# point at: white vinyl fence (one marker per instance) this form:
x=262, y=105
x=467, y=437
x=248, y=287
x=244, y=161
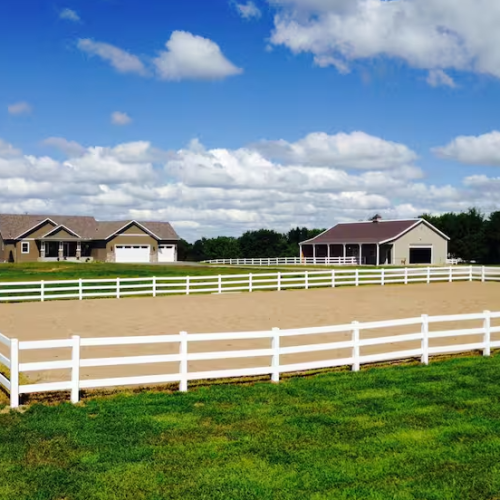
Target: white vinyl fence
x=274, y=352
x=288, y=261
x=231, y=283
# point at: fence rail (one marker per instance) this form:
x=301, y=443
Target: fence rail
x=355, y=343
x=289, y=261
x=283, y=280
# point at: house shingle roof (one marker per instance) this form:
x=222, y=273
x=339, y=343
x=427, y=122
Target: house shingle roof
x=364, y=232
x=163, y=230
x=14, y=225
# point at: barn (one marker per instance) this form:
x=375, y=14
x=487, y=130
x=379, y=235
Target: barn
x=381, y=242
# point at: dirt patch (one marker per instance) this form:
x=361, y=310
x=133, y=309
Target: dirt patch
x=232, y=313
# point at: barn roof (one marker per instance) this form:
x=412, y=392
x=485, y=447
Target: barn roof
x=377, y=231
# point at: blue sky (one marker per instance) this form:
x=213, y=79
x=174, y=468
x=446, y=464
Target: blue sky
x=271, y=113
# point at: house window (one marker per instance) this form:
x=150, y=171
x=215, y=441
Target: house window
x=25, y=247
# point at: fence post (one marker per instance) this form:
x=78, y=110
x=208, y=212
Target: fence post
x=75, y=369
x=219, y=287
x=382, y=276
x=117, y=288
x=450, y=278
x=306, y=278
x=279, y=281
x=333, y=278
x=250, y=282
x=187, y=285
x=355, y=346
x=14, y=373
x=425, y=339
x=428, y=275
x=183, y=365
x=153, y=285
x=357, y=277
x=406, y=275
x=470, y=273
x=487, y=333
x=483, y=274
x=42, y=291
x=80, y=289
x=275, y=362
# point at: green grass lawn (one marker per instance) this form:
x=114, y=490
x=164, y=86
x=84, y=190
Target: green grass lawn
x=408, y=432
x=36, y=271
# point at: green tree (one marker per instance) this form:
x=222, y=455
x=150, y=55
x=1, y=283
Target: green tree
x=263, y=243
x=492, y=236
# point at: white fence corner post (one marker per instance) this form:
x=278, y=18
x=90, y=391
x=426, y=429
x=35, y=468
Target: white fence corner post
x=75, y=369
x=450, y=277
x=117, y=288
x=279, y=281
x=250, y=282
x=357, y=277
x=14, y=373
x=42, y=291
x=487, y=333
x=187, y=285
x=483, y=274
x=306, y=278
x=382, y=276
x=80, y=289
x=428, y=275
x=183, y=365
x=333, y=278
x=275, y=363
x=355, y=346
x=406, y=275
x=425, y=339
x=470, y=273
x=219, y=284
x=154, y=286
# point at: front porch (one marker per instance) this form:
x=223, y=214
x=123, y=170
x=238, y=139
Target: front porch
x=70, y=250
x=371, y=254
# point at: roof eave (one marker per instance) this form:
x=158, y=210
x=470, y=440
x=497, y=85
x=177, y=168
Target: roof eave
x=48, y=219
x=130, y=223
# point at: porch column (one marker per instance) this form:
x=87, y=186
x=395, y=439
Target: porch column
x=378, y=255
x=61, y=250
x=328, y=253
x=314, y=253
x=78, y=249
x=343, y=253
x=42, y=249
x=360, y=261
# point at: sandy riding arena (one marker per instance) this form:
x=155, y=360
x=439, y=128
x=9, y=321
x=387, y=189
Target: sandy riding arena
x=232, y=313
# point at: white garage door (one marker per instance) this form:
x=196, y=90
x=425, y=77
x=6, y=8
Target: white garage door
x=166, y=253
x=132, y=253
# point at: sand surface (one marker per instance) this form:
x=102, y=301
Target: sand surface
x=237, y=312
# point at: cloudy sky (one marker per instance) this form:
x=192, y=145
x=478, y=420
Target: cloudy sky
x=226, y=115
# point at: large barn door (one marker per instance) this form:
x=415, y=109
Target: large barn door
x=421, y=255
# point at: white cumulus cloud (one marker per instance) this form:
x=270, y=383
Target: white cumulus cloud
x=248, y=10
x=438, y=78
x=207, y=192
x=70, y=148
x=19, y=108
x=190, y=56
x=119, y=118
x=120, y=59
x=433, y=35
x=69, y=15
x=473, y=150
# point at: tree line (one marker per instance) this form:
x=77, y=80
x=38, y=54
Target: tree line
x=473, y=237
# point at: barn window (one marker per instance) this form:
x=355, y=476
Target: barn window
x=25, y=247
